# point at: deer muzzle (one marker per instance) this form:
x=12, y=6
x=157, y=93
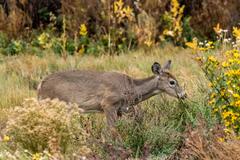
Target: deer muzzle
x=182, y=95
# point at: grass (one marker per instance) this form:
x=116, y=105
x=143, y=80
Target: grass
x=159, y=130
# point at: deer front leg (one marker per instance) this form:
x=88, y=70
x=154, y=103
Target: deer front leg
x=111, y=116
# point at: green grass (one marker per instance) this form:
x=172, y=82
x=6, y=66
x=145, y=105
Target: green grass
x=164, y=118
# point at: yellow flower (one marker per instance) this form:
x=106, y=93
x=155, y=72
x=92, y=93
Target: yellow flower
x=236, y=55
x=199, y=59
x=36, y=156
x=167, y=32
x=203, y=49
x=117, y=5
x=236, y=32
x=225, y=64
x=175, y=14
x=213, y=95
x=221, y=139
x=148, y=42
x=193, y=44
x=174, y=7
x=235, y=95
x=212, y=59
x=83, y=30
x=237, y=103
x=217, y=29
x=81, y=50
x=233, y=72
x=227, y=130
x=211, y=102
x=210, y=84
x=222, y=92
x=43, y=40
x=128, y=12
x=215, y=110
x=227, y=123
x=6, y=138
x=210, y=43
x=226, y=114
x=234, y=117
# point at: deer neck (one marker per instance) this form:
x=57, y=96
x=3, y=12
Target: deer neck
x=145, y=88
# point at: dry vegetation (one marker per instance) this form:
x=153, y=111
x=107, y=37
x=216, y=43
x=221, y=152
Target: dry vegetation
x=207, y=144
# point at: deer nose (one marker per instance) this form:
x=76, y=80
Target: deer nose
x=182, y=95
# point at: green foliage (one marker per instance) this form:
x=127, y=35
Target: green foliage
x=57, y=46
x=188, y=32
x=157, y=128
x=15, y=47
x=12, y=47
x=44, y=13
x=70, y=47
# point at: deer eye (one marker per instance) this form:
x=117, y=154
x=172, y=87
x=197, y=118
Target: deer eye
x=172, y=82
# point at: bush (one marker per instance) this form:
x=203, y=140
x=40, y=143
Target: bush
x=224, y=78
x=46, y=125
x=222, y=70
x=15, y=47
x=172, y=22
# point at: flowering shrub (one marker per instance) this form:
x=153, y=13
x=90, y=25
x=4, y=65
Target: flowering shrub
x=223, y=72
x=173, y=22
x=46, y=125
x=224, y=75
x=119, y=36
x=121, y=12
x=44, y=40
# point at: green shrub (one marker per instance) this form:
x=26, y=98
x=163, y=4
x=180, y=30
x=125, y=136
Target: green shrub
x=188, y=32
x=15, y=47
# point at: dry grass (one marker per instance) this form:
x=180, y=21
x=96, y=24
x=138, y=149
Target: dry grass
x=205, y=144
x=15, y=21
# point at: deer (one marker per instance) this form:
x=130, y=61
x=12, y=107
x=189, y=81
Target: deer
x=112, y=93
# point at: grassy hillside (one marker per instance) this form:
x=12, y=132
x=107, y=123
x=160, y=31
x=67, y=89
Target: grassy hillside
x=163, y=119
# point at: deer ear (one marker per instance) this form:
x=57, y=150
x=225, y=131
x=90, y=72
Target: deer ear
x=156, y=68
x=167, y=66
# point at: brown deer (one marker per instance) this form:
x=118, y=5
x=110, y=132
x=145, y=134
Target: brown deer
x=108, y=92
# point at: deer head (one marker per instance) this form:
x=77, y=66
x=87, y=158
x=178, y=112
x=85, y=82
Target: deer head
x=166, y=81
